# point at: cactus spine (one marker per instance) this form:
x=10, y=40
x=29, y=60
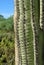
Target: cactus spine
x=27, y=33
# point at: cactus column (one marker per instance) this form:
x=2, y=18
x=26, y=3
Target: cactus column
x=24, y=32
x=28, y=41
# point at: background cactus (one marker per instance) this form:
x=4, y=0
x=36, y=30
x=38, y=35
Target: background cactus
x=41, y=14
x=28, y=35
x=41, y=36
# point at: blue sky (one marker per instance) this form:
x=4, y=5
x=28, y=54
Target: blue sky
x=6, y=8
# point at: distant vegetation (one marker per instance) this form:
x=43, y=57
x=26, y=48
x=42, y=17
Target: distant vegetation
x=6, y=24
x=7, y=54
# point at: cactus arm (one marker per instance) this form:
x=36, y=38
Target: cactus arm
x=41, y=36
x=41, y=14
x=40, y=32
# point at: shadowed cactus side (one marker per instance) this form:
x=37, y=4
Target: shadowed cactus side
x=28, y=36
x=34, y=22
x=41, y=37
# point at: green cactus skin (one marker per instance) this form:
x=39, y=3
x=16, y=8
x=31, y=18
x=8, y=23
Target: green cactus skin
x=40, y=31
x=41, y=36
x=34, y=20
x=28, y=34
x=23, y=28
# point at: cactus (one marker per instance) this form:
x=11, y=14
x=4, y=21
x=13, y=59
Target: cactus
x=41, y=36
x=28, y=33
x=42, y=14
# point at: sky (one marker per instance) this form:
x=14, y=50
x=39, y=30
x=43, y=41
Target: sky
x=6, y=8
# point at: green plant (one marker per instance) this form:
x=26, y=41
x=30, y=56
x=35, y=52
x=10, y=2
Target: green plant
x=7, y=53
x=28, y=32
